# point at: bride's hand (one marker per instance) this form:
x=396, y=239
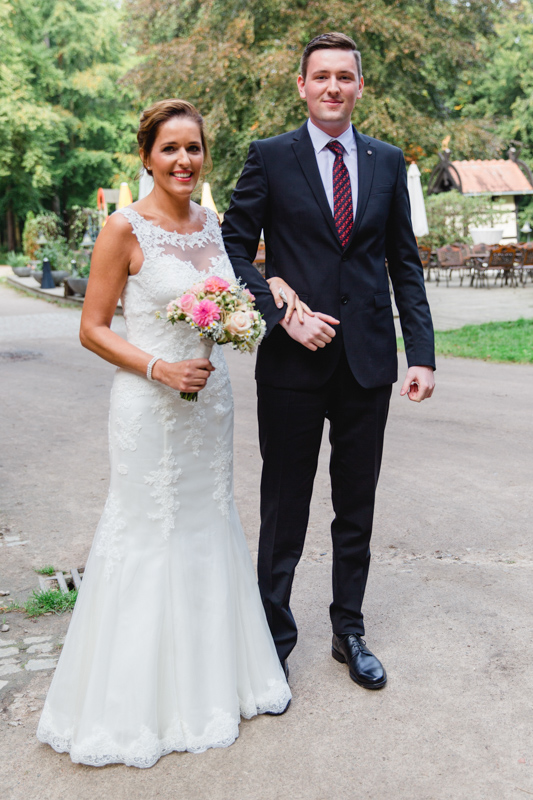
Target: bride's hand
x=282, y=292
x=185, y=376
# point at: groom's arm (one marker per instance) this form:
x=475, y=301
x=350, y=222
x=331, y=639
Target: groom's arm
x=407, y=277
x=241, y=229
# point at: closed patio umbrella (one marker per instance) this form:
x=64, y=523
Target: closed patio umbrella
x=416, y=196
x=124, y=197
x=207, y=198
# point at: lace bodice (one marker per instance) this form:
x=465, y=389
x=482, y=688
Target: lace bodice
x=173, y=262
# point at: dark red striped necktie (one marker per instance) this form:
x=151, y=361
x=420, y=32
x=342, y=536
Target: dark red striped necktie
x=342, y=193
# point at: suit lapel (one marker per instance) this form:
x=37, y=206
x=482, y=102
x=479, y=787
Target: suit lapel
x=366, y=160
x=305, y=153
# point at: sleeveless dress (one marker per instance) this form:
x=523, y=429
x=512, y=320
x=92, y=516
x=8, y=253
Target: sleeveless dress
x=168, y=645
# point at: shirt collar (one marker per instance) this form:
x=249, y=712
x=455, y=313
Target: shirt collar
x=319, y=139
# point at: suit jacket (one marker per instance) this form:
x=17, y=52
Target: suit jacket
x=281, y=192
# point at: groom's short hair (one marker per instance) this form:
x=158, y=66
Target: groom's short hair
x=330, y=41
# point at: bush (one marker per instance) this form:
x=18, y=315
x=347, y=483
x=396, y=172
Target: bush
x=83, y=262
x=48, y=224
x=450, y=216
x=16, y=259
x=57, y=252
x=81, y=219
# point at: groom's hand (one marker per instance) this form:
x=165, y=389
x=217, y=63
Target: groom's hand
x=314, y=332
x=418, y=384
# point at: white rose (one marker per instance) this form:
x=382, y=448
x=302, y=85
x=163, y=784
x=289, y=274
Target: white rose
x=238, y=323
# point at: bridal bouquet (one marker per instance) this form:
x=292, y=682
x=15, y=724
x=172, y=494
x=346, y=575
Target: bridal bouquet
x=222, y=313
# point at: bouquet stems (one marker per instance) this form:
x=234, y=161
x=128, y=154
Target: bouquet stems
x=202, y=350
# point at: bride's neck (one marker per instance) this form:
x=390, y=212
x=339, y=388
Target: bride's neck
x=174, y=209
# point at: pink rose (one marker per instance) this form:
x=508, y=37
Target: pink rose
x=238, y=323
x=187, y=302
x=205, y=312
x=197, y=288
x=249, y=295
x=215, y=284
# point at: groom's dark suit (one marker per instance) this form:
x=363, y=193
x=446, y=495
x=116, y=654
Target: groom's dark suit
x=348, y=381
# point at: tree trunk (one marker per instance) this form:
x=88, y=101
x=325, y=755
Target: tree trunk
x=10, y=224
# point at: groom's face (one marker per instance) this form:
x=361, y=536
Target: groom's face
x=331, y=88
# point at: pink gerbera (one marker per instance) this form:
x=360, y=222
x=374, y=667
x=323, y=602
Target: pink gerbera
x=215, y=284
x=205, y=313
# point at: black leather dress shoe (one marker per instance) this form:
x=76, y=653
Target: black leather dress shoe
x=365, y=668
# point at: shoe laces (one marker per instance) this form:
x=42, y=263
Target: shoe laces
x=359, y=642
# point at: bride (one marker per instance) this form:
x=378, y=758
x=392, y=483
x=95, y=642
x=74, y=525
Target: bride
x=168, y=644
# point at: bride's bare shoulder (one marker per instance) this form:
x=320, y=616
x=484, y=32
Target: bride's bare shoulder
x=117, y=226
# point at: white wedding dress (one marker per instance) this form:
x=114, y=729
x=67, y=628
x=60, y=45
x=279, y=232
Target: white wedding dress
x=168, y=644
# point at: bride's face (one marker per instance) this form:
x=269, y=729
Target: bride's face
x=177, y=156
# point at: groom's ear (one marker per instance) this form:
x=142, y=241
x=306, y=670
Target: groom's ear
x=301, y=86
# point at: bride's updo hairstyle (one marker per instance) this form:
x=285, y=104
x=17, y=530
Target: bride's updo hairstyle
x=153, y=117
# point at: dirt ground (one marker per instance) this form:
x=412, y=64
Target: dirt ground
x=448, y=606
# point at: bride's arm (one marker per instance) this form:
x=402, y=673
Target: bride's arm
x=114, y=252
x=282, y=293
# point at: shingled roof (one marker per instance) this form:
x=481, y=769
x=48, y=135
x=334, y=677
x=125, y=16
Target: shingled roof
x=496, y=176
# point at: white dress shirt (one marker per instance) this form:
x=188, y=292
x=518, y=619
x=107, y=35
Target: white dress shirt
x=325, y=159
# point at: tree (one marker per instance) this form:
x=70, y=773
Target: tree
x=238, y=62
x=67, y=122
x=502, y=94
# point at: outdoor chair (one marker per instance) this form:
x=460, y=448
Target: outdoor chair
x=526, y=262
x=424, y=251
x=478, y=260
x=505, y=260
x=449, y=258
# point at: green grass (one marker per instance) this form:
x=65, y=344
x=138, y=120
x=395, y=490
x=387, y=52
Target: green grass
x=13, y=606
x=52, y=601
x=48, y=570
x=492, y=341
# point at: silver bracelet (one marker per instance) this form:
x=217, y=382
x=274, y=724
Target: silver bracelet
x=150, y=367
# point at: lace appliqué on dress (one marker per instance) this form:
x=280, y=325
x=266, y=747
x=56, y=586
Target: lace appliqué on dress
x=165, y=406
x=222, y=464
x=195, y=426
x=152, y=238
x=100, y=748
x=109, y=541
x=127, y=431
x=273, y=701
x=165, y=492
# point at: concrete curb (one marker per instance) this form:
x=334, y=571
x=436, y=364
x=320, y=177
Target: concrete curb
x=56, y=295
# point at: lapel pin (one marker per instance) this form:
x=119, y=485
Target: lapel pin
x=369, y=152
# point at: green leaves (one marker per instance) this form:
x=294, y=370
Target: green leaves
x=238, y=62
x=67, y=121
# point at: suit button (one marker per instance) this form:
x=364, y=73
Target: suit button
x=344, y=299
x=344, y=258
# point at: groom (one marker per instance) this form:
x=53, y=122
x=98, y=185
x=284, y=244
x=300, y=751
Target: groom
x=333, y=205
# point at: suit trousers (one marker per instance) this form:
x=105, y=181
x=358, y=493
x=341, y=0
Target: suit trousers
x=290, y=434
